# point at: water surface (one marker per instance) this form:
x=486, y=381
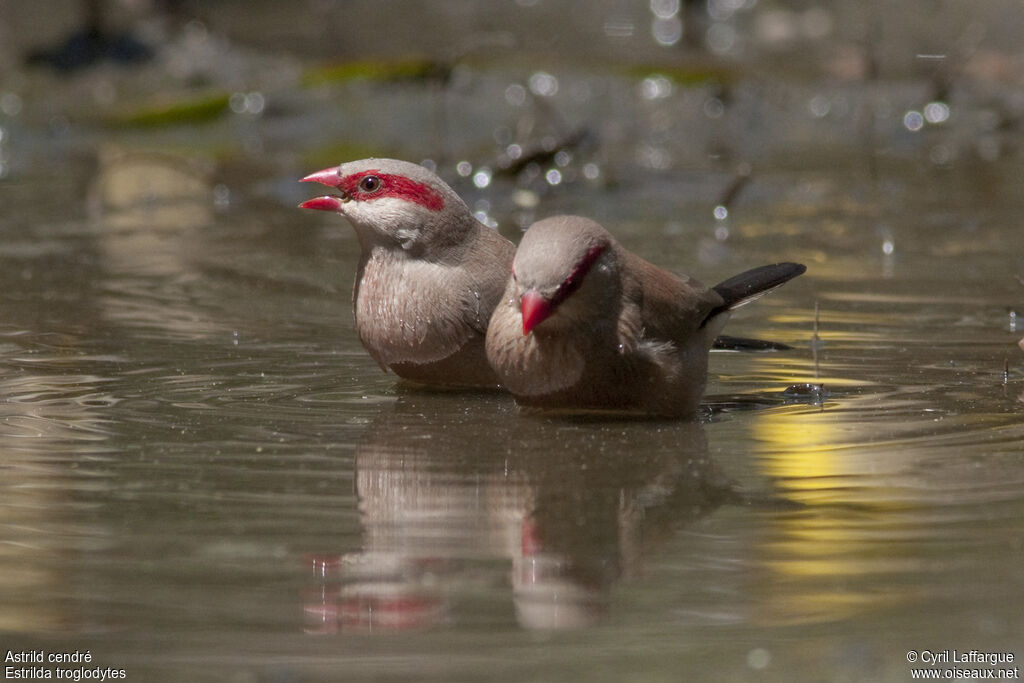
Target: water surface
x=205, y=477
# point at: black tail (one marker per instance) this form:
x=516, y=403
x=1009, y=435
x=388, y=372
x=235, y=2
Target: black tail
x=741, y=289
x=726, y=342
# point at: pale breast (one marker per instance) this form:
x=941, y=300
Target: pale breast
x=410, y=311
x=531, y=365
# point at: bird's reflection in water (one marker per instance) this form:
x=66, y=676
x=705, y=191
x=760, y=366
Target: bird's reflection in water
x=457, y=493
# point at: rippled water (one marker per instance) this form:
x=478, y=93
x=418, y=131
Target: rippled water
x=204, y=476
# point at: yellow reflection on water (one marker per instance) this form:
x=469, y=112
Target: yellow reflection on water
x=824, y=558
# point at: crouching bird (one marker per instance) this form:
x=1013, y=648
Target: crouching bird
x=585, y=324
x=429, y=274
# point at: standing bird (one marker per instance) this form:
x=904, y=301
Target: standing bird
x=429, y=275
x=585, y=324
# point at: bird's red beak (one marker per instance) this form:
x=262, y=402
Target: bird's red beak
x=326, y=203
x=329, y=177
x=535, y=310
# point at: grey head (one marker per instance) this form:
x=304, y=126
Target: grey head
x=565, y=271
x=395, y=204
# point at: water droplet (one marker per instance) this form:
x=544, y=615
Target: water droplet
x=515, y=95
x=810, y=392
x=714, y=108
x=819, y=106
x=482, y=178
x=664, y=9
x=758, y=658
x=221, y=196
x=553, y=176
x=667, y=31
x=464, y=168
x=888, y=246
x=255, y=102
x=486, y=219
x=913, y=121
x=936, y=112
x=721, y=213
x=655, y=87
x=721, y=38
x=544, y=84
x=237, y=102
x=722, y=10
x=10, y=104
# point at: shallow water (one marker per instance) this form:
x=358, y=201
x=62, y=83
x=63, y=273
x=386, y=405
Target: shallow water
x=205, y=477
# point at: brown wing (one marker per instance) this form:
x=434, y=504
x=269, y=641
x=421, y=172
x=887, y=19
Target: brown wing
x=670, y=306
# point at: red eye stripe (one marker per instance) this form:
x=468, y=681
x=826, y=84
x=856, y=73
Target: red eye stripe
x=575, y=278
x=396, y=186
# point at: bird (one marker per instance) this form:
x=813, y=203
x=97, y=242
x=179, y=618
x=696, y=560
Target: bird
x=429, y=273
x=586, y=325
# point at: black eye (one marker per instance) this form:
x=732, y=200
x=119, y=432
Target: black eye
x=370, y=183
